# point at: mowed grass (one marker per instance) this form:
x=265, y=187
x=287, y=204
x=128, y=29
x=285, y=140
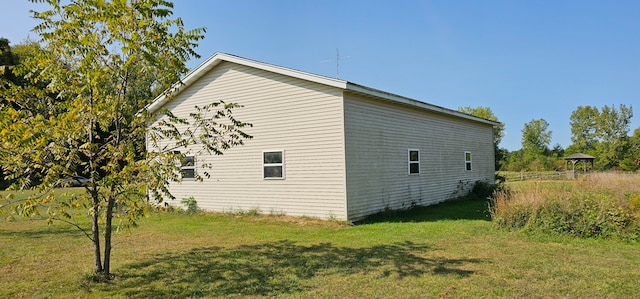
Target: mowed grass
x=449, y=251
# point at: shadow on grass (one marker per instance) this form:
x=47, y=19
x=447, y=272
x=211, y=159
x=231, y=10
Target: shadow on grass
x=461, y=209
x=42, y=230
x=270, y=269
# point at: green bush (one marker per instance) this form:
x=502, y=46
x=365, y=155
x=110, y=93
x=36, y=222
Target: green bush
x=484, y=190
x=192, y=205
x=629, y=164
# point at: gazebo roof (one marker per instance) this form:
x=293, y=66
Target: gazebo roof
x=579, y=156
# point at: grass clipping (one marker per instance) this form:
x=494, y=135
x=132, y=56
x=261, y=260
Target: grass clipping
x=598, y=205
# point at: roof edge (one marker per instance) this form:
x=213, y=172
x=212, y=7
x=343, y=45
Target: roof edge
x=219, y=57
x=415, y=103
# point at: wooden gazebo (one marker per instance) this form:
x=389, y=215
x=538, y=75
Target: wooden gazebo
x=575, y=159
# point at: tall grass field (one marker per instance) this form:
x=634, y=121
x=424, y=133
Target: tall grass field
x=452, y=250
x=598, y=205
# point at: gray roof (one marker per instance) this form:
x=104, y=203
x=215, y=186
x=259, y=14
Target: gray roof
x=579, y=156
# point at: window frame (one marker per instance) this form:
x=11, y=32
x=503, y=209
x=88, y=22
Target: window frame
x=411, y=162
x=184, y=167
x=281, y=164
x=468, y=164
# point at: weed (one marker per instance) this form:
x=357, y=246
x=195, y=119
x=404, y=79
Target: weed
x=252, y=212
x=192, y=205
x=240, y=212
x=276, y=213
x=332, y=216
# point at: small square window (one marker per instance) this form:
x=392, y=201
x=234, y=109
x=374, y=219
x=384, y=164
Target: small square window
x=414, y=161
x=273, y=165
x=467, y=161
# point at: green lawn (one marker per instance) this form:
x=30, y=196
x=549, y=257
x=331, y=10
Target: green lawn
x=449, y=251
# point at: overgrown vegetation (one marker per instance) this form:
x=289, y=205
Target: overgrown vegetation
x=599, y=205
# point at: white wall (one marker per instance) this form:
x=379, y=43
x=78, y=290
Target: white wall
x=302, y=118
x=378, y=135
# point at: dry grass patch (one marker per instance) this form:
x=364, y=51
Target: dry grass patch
x=596, y=205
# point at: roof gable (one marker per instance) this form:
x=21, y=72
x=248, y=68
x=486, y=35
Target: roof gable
x=218, y=57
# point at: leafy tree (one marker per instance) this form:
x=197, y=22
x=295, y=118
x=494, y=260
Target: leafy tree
x=18, y=92
x=584, y=128
x=103, y=60
x=502, y=158
x=602, y=133
x=557, y=156
x=613, y=129
x=498, y=131
x=536, y=138
x=8, y=60
x=632, y=161
x=516, y=161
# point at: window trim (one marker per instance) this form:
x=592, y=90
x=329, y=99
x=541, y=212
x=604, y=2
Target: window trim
x=468, y=164
x=183, y=167
x=410, y=162
x=282, y=164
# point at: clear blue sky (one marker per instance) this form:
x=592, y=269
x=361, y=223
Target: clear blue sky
x=523, y=59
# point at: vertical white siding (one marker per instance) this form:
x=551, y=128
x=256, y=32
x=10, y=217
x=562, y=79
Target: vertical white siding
x=378, y=135
x=302, y=118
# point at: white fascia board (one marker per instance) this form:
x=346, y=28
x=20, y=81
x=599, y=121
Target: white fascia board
x=415, y=103
x=218, y=57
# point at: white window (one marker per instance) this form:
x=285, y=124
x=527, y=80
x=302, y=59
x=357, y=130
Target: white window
x=188, y=167
x=414, y=161
x=467, y=161
x=273, y=164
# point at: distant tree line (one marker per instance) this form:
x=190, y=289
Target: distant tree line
x=600, y=132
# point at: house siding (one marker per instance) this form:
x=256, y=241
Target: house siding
x=377, y=136
x=302, y=118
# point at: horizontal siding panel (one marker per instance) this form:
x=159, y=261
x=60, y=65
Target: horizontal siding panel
x=378, y=135
x=302, y=118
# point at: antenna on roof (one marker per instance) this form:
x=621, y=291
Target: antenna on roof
x=337, y=59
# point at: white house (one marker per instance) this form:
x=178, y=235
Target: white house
x=326, y=147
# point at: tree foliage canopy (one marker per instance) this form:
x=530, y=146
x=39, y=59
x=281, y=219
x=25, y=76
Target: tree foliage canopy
x=602, y=133
x=82, y=113
x=536, y=138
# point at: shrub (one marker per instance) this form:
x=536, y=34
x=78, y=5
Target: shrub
x=629, y=164
x=484, y=190
x=191, y=204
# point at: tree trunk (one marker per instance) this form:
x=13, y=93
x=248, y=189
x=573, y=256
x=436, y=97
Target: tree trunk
x=96, y=233
x=107, y=237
